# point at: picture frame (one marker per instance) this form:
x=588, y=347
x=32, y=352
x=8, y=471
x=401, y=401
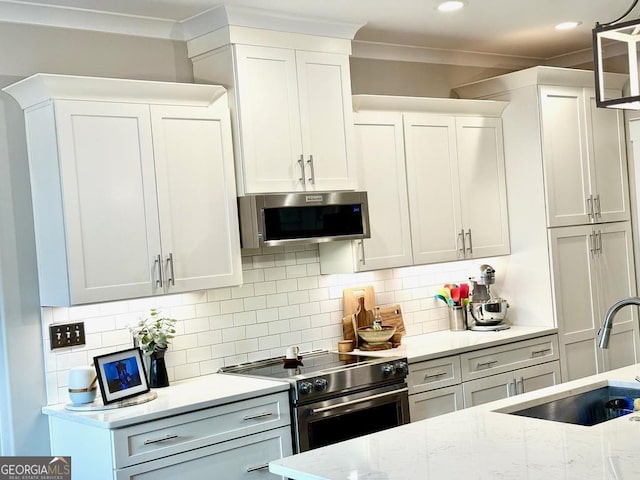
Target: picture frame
x=121, y=375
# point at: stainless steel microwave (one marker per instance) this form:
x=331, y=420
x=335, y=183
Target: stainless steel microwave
x=306, y=217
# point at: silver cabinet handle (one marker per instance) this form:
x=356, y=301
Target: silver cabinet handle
x=540, y=352
x=486, y=364
x=171, y=280
x=302, y=178
x=596, y=206
x=461, y=236
x=592, y=243
x=432, y=375
x=521, y=385
x=312, y=178
x=158, y=262
x=260, y=467
x=470, y=248
x=161, y=439
x=590, y=207
x=599, y=241
x=363, y=260
x=257, y=415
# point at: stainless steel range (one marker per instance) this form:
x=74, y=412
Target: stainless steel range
x=335, y=397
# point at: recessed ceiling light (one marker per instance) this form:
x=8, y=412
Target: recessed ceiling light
x=567, y=25
x=450, y=6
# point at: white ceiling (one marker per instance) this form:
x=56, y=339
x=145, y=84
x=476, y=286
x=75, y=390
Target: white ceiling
x=521, y=28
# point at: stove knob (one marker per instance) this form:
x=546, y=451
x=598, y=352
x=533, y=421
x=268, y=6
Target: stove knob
x=402, y=367
x=305, y=387
x=388, y=369
x=320, y=384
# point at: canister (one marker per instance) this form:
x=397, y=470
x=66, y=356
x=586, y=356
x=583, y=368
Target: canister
x=457, y=318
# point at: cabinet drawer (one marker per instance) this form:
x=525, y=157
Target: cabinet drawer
x=504, y=358
x=242, y=458
x=432, y=374
x=169, y=436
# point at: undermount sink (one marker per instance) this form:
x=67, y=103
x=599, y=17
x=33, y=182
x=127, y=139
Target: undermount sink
x=601, y=402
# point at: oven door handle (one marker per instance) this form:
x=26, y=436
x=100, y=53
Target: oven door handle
x=353, y=402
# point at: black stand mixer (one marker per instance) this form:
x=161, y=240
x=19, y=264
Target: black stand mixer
x=487, y=311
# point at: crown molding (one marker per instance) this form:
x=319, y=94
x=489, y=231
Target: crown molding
x=92, y=20
x=225, y=15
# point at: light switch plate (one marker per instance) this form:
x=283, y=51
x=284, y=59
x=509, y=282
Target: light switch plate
x=66, y=335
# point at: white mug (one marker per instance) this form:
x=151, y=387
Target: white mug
x=293, y=352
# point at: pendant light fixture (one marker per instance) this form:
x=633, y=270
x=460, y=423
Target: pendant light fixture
x=613, y=35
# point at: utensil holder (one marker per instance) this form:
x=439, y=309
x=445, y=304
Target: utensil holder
x=457, y=318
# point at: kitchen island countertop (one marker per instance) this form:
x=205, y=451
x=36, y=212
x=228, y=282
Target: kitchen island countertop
x=482, y=443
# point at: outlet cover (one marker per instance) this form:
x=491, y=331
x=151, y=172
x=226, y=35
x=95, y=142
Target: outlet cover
x=66, y=335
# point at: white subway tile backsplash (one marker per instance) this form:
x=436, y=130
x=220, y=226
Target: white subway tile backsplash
x=277, y=273
x=277, y=300
x=232, y=306
x=233, y=334
x=244, y=318
x=283, y=301
x=280, y=326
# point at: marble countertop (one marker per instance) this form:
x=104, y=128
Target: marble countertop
x=483, y=443
x=180, y=397
x=439, y=344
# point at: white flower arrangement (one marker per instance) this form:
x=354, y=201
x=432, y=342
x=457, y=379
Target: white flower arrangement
x=154, y=332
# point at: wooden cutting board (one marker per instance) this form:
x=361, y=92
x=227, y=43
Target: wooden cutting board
x=350, y=299
x=391, y=316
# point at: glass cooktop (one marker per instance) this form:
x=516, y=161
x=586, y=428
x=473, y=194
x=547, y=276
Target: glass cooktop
x=309, y=364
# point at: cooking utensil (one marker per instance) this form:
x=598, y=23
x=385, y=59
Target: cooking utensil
x=455, y=295
x=464, y=290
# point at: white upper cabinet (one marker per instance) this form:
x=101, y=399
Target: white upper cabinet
x=293, y=118
x=584, y=158
x=457, y=188
x=434, y=174
x=132, y=185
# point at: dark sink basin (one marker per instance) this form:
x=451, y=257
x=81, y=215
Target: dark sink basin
x=587, y=408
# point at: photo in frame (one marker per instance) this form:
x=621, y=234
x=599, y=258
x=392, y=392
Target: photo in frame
x=121, y=375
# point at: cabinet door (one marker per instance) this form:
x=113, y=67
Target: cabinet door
x=382, y=173
x=537, y=377
x=196, y=197
x=108, y=189
x=435, y=402
x=566, y=162
x=609, y=161
x=482, y=186
x=269, y=116
x=324, y=88
x=573, y=253
x=488, y=389
x=433, y=187
x=616, y=280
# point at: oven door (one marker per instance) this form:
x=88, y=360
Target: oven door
x=344, y=417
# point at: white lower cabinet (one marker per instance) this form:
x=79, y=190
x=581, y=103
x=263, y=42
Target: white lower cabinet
x=479, y=376
x=435, y=402
x=232, y=441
